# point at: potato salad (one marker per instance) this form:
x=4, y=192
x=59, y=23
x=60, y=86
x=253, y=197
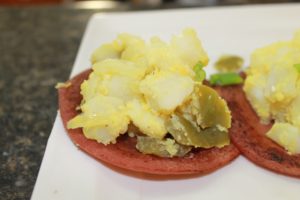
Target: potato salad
x=155, y=86
x=273, y=88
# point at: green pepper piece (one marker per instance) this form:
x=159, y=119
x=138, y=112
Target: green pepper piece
x=225, y=79
x=188, y=133
x=198, y=66
x=162, y=148
x=200, y=76
x=199, y=72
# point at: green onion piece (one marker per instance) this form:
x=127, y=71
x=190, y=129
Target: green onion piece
x=199, y=66
x=200, y=75
x=225, y=79
x=199, y=72
x=297, y=66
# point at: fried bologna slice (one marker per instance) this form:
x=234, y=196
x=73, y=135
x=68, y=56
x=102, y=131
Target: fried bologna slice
x=248, y=134
x=123, y=154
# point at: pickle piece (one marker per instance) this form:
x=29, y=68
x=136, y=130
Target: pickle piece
x=212, y=110
x=162, y=148
x=229, y=63
x=188, y=133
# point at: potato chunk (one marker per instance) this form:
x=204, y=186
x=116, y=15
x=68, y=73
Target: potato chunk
x=287, y=136
x=105, y=51
x=91, y=87
x=111, y=67
x=189, y=48
x=102, y=114
x=165, y=90
x=121, y=87
x=254, y=87
x=146, y=119
x=161, y=56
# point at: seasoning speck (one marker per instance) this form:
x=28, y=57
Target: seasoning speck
x=63, y=85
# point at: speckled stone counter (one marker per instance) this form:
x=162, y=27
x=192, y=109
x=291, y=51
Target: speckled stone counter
x=37, y=50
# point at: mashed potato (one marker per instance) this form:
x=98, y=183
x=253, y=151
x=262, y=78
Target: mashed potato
x=273, y=88
x=137, y=82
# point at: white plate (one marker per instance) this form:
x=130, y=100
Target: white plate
x=68, y=174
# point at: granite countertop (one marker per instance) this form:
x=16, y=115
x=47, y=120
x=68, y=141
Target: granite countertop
x=37, y=50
